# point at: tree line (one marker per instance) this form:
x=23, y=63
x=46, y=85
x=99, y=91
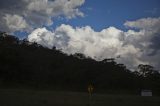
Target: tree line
x=28, y=64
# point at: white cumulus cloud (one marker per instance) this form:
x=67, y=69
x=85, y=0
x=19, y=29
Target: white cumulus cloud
x=15, y=22
x=17, y=15
x=144, y=23
x=133, y=47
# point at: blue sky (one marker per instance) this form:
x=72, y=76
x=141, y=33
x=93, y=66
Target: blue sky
x=100, y=14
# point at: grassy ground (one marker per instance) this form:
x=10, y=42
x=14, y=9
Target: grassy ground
x=13, y=97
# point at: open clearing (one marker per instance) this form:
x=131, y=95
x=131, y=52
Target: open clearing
x=16, y=97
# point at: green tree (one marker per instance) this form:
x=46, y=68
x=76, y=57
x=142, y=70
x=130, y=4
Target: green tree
x=145, y=70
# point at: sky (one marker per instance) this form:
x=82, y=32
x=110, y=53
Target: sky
x=128, y=29
x=100, y=14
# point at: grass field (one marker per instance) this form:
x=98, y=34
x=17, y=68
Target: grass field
x=14, y=97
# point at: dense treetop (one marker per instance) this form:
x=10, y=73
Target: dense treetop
x=28, y=64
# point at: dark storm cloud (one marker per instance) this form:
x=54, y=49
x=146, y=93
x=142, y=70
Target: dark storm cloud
x=9, y=3
x=12, y=6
